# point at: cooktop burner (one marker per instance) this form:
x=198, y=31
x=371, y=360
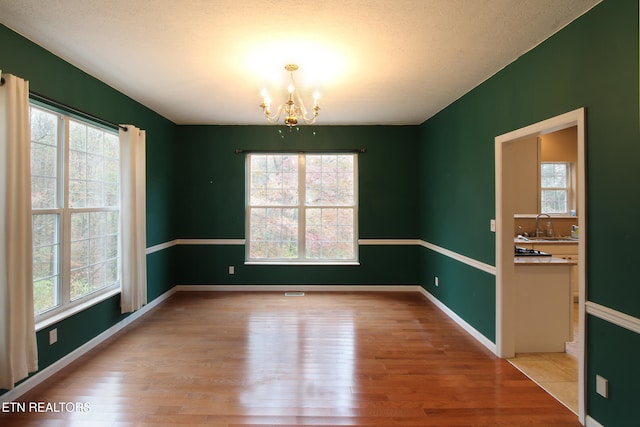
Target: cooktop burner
x=520, y=251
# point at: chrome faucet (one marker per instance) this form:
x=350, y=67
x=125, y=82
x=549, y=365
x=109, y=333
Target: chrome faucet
x=552, y=231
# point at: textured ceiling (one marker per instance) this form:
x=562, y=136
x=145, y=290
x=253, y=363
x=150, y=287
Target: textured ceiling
x=373, y=61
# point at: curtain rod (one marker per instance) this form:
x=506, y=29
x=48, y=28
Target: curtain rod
x=58, y=104
x=309, y=150
x=53, y=102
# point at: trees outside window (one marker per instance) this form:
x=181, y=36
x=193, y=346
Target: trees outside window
x=302, y=207
x=75, y=184
x=555, y=187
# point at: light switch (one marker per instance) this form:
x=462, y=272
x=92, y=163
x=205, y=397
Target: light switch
x=53, y=336
x=602, y=386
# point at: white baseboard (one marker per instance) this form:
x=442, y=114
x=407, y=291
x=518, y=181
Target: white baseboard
x=301, y=288
x=50, y=370
x=590, y=422
x=464, y=325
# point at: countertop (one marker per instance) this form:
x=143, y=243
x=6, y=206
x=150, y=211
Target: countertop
x=542, y=260
x=542, y=240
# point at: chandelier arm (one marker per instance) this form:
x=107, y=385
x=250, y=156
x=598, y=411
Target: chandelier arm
x=273, y=118
x=303, y=111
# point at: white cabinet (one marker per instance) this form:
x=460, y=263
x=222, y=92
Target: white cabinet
x=566, y=250
x=545, y=304
x=525, y=187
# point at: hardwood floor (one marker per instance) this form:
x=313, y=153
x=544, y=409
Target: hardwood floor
x=265, y=359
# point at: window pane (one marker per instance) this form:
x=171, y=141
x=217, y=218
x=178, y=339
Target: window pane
x=95, y=140
x=45, y=294
x=79, y=283
x=94, y=194
x=93, y=278
x=93, y=167
x=554, y=201
x=94, y=251
x=79, y=226
x=553, y=175
x=78, y=193
x=329, y=180
x=111, y=146
x=44, y=159
x=111, y=272
x=77, y=136
x=45, y=261
x=97, y=250
x=330, y=233
x=43, y=193
x=44, y=127
x=46, y=250
x=97, y=224
x=113, y=223
x=273, y=180
x=79, y=254
x=273, y=233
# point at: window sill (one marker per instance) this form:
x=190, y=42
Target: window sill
x=75, y=309
x=335, y=263
x=544, y=216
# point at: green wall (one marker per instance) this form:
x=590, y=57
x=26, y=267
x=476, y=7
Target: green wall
x=433, y=182
x=591, y=63
x=210, y=202
x=52, y=77
x=613, y=354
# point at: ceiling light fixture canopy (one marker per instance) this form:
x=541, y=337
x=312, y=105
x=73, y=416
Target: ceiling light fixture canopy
x=293, y=108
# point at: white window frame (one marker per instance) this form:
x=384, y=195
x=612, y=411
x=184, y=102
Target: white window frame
x=301, y=206
x=65, y=305
x=568, y=188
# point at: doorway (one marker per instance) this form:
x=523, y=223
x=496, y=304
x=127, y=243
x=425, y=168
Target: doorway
x=506, y=174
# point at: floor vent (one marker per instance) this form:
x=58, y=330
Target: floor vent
x=294, y=294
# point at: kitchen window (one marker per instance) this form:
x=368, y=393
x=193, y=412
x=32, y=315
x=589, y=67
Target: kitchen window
x=302, y=208
x=75, y=194
x=555, y=187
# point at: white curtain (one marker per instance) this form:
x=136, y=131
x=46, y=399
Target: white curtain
x=18, y=350
x=133, y=218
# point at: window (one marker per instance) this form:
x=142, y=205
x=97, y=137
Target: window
x=555, y=188
x=75, y=205
x=302, y=208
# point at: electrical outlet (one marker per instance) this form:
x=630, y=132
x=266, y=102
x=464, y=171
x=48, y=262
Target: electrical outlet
x=53, y=336
x=492, y=225
x=232, y=269
x=437, y=281
x=602, y=386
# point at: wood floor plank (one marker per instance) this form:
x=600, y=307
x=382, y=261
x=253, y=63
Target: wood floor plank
x=263, y=359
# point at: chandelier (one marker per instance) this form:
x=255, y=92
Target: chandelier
x=293, y=108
